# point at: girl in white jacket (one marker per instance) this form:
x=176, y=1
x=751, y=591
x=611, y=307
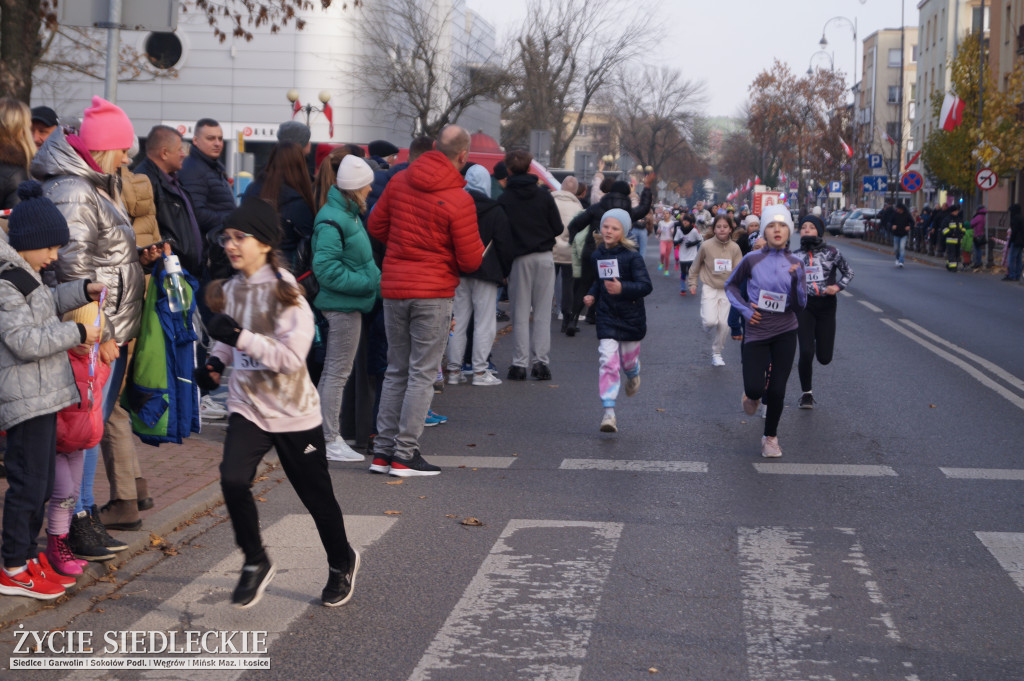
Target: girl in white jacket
x=688, y=238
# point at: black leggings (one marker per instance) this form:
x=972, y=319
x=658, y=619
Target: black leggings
x=758, y=356
x=303, y=457
x=817, y=334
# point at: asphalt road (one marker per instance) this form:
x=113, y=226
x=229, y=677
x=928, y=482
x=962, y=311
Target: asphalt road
x=887, y=542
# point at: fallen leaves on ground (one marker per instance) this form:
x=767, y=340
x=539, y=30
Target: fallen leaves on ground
x=471, y=445
x=395, y=482
x=392, y=513
x=659, y=410
x=472, y=522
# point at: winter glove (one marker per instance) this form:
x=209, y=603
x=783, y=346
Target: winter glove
x=202, y=374
x=224, y=328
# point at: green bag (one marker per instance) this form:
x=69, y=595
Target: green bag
x=967, y=243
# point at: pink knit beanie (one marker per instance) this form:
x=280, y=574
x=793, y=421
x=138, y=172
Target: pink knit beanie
x=105, y=126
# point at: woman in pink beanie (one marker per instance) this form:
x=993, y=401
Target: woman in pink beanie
x=79, y=174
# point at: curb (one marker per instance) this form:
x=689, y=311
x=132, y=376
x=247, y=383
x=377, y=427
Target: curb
x=910, y=255
x=160, y=523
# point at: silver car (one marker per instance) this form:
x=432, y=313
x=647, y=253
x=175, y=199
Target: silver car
x=855, y=225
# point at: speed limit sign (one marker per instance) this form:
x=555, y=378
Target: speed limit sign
x=986, y=179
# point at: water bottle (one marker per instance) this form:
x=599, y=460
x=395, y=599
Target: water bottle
x=174, y=284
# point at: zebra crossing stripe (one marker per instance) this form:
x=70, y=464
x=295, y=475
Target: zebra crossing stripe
x=854, y=470
x=790, y=604
x=636, y=466
x=1008, y=549
x=529, y=610
x=472, y=461
x=983, y=473
x=294, y=546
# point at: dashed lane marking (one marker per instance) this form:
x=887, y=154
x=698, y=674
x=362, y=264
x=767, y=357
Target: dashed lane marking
x=846, y=294
x=842, y=469
x=636, y=466
x=529, y=611
x=1008, y=549
x=472, y=461
x=873, y=308
x=983, y=473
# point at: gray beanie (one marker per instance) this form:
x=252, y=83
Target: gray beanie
x=293, y=131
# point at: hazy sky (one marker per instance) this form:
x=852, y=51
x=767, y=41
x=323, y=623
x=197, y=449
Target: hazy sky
x=726, y=43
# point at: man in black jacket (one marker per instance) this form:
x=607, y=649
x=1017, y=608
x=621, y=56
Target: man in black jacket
x=902, y=222
x=531, y=284
x=174, y=213
x=206, y=182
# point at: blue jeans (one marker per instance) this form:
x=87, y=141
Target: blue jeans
x=640, y=237
x=1014, y=264
x=899, y=244
x=111, y=391
x=978, y=255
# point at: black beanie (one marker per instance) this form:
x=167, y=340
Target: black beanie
x=816, y=221
x=36, y=222
x=620, y=187
x=256, y=217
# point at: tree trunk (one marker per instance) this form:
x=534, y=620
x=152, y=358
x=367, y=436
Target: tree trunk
x=19, y=46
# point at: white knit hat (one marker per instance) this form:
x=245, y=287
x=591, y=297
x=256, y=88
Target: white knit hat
x=353, y=173
x=777, y=213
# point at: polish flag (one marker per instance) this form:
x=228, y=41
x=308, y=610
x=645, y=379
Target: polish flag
x=846, y=148
x=757, y=179
x=889, y=139
x=296, y=108
x=952, y=113
x=746, y=188
x=329, y=115
x=782, y=177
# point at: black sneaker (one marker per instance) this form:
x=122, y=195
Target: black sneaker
x=102, y=535
x=83, y=540
x=417, y=465
x=341, y=585
x=806, y=401
x=381, y=463
x=502, y=316
x=516, y=373
x=541, y=372
x=252, y=584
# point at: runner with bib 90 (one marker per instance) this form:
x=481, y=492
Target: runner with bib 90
x=774, y=281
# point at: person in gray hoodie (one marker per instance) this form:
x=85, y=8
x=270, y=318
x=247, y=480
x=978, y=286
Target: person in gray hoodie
x=36, y=381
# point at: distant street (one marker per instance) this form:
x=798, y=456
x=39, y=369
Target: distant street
x=886, y=543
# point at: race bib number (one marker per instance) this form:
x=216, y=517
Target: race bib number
x=814, y=274
x=608, y=269
x=244, y=362
x=771, y=301
x=723, y=265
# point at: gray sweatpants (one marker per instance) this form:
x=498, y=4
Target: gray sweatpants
x=417, y=329
x=531, y=285
x=342, y=343
x=474, y=299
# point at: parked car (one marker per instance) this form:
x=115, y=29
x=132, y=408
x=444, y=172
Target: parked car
x=835, y=222
x=856, y=224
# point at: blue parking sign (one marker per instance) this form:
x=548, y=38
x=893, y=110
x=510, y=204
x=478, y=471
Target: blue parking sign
x=835, y=187
x=874, y=160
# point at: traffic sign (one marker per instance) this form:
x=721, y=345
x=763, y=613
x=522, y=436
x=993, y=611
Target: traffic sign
x=986, y=179
x=911, y=181
x=874, y=160
x=835, y=187
x=876, y=183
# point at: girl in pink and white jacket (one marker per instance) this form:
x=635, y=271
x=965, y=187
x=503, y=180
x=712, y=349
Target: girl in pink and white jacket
x=264, y=329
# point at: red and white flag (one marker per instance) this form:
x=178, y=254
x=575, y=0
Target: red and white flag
x=889, y=139
x=846, y=148
x=746, y=187
x=782, y=176
x=952, y=113
x=329, y=115
x=296, y=108
x=757, y=179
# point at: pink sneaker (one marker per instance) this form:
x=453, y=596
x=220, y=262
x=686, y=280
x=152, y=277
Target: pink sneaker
x=60, y=556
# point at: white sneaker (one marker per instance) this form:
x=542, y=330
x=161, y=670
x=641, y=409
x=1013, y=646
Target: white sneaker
x=632, y=385
x=340, y=451
x=211, y=410
x=762, y=411
x=770, y=447
x=486, y=378
x=717, y=361
x=608, y=424
x=456, y=377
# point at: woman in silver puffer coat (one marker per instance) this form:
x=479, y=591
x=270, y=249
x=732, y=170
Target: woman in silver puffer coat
x=79, y=175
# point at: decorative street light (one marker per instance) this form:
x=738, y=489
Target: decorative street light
x=308, y=109
x=852, y=25
x=831, y=62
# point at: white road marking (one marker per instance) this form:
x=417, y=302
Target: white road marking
x=855, y=470
x=794, y=605
x=873, y=308
x=983, y=473
x=637, y=466
x=1008, y=549
x=530, y=608
x=472, y=461
x=1011, y=397
x=204, y=603
x=996, y=370
x=846, y=294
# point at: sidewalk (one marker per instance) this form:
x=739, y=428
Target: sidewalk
x=911, y=256
x=183, y=481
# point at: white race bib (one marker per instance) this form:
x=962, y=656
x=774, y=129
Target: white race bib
x=814, y=274
x=723, y=264
x=771, y=301
x=608, y=269
x=244, y=362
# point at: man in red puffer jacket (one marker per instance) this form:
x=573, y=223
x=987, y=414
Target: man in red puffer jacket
x=427, y=221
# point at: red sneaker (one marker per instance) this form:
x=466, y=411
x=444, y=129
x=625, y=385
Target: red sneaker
x=51, y=575
x=25, y=583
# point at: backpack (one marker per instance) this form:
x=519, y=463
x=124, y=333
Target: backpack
x=304, y=263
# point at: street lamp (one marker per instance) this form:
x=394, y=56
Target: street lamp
x=831, y=62
x=308, y=109
x=852, y=25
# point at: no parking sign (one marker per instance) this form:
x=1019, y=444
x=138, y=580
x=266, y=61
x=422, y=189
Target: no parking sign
x=911, y=181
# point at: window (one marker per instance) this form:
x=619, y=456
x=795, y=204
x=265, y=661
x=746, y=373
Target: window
x=912, y=110
x=895, y=57
x=894, y=94
x=979, y=22
x=913, y=54
x=892, y=129
x=1008, y=24
x=913, y=92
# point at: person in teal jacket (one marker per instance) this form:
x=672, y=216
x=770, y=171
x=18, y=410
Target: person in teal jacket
x=349, y=285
